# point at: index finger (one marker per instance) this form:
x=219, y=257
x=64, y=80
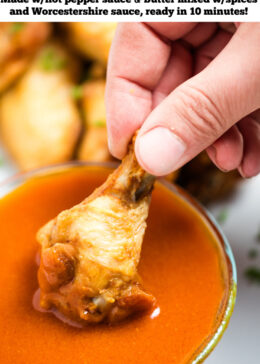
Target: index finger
x=138, y=57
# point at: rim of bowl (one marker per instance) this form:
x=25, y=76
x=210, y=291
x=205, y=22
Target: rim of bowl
x=207, y=346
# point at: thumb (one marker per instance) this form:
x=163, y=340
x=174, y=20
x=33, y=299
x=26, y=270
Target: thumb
x=203, y=108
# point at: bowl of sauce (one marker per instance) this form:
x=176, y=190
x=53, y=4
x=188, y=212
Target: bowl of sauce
x=186, y=263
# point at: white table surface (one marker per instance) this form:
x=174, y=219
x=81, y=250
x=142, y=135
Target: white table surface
x=241, y=342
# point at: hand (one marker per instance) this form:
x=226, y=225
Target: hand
x=188, y=87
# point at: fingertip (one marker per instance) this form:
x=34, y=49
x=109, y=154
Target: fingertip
x=114, y=151
x=159, y=151
x=249, y=171
x=250, y=129
x=241, y=172
x=117, y=138
x=227, y=152
x=250, y=167
x=141, y=153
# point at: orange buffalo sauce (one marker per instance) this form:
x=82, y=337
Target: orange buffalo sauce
x=182, y=264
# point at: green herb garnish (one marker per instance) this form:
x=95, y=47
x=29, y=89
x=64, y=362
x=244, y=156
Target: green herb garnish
x=222, y=216
x=252, y=254
x=253, y=275
x=16, y=27
x=100, y=123
x=77, y=92
x=50, y=60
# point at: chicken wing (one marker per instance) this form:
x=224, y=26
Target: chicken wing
x=92, y=40
x=39, y=119
x=93, y=146
x=90, y=253
x=18, y=43
x=205, y=181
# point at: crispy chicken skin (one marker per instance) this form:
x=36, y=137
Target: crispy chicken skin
x=39, y=120
x=90, y=253
x=94, y=146
x=18, y=44
x=92, y=40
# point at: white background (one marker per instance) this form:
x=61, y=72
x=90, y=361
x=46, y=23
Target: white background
x=241, y=342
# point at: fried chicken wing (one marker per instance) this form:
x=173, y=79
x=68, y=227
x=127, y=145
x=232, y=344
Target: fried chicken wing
x=39, y=119
x=90, y=253
x=18, y=44
x=92, y=40
x=205, y=181
x=93, y=146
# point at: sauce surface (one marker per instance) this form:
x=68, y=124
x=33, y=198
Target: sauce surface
x=180, y=265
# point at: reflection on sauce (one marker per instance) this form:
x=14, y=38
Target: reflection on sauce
x=54, y=311
x=180, y=264
x=155, y=313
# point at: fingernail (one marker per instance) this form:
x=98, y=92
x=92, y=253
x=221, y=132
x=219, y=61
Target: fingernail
x=212, y=152
x=241, y=172
x=109, y=144
x=160, y=151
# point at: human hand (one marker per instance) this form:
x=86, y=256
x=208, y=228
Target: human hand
x=188, y=87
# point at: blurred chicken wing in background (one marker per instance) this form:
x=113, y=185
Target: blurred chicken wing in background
x=205, y=181
x=39, y=120
x=93, y=146
x=18, y=44
x=91, y=40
